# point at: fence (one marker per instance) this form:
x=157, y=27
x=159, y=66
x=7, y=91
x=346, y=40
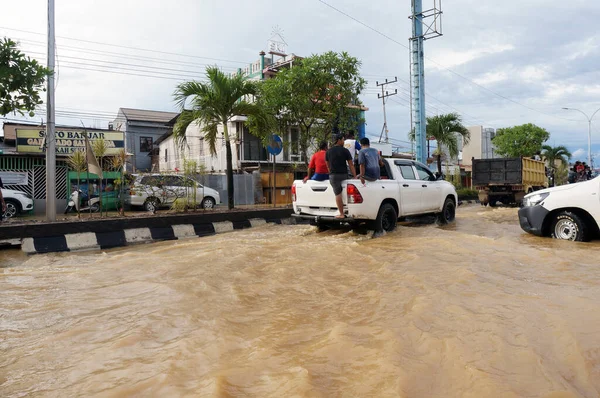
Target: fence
x=245, y=190
x=28, y=174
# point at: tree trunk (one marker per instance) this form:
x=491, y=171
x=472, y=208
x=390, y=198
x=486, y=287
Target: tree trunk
x=439, y=162
x=230, y=202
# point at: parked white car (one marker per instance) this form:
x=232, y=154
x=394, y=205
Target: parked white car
x=406, y=188
x=569, y=212
x=17, y=202
x=152, y=191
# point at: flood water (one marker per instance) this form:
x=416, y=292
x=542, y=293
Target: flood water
x=474, y=309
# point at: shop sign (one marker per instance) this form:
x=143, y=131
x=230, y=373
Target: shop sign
x=32, y=140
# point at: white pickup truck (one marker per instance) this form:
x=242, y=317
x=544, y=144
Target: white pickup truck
x=406, y=188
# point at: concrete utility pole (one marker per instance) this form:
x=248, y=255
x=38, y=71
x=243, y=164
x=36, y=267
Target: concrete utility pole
x=50, y=123
x=383, y=97
x=418, y=67
x=589, y=119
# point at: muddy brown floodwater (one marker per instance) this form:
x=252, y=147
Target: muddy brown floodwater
x=474, y=309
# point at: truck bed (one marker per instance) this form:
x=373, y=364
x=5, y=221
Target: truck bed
x=508, y=171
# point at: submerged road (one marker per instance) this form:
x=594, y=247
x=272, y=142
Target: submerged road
x=473, y=309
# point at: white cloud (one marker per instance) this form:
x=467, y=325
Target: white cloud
x=583, y=48
x=579, y=153
x=491, y=78
x=451, y=58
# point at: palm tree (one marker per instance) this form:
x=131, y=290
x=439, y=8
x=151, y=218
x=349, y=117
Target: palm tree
x=552, y=154
x=214, y=103
x=445, y=129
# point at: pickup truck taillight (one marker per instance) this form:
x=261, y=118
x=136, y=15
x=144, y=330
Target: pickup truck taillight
x=354, y=195
x=293, y=193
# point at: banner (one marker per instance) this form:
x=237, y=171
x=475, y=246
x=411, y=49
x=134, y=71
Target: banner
x=31, y=140
x=14, y=178
x=92, y=163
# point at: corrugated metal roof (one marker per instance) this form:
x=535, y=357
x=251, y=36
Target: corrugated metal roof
x=148, y=116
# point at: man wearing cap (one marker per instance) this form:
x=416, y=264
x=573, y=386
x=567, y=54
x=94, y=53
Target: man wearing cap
x=338, y=161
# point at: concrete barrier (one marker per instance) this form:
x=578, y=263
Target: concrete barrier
x=109, y=233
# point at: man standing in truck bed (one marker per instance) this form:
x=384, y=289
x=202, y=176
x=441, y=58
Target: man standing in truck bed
x=338, y=161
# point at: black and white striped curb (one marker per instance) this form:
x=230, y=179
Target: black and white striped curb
x=126, y=237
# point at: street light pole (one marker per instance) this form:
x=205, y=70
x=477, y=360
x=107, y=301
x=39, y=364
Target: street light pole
x=50, y=126
x=589, y=119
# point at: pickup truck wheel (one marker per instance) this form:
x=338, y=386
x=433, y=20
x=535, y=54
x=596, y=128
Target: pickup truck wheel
x=448, y=212
x=321, y=226
x=569, y=226
x=386, y=218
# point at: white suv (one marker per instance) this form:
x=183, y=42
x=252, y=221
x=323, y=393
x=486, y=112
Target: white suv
x=17, y=202
x=152, y=191
x=569, y=212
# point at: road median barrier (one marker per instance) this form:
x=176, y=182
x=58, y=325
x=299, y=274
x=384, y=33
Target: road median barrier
x=110, y=233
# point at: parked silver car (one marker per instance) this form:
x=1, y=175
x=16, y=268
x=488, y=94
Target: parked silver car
x=152, y=191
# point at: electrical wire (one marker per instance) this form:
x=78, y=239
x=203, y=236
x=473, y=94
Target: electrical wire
x=125, y=47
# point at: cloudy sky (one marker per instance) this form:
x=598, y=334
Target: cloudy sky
x=498, y=64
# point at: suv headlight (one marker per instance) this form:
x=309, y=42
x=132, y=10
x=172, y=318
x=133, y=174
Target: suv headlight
x=534, y=199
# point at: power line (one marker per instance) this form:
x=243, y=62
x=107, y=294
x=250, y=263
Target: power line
x=122, y=55
x=125, y=47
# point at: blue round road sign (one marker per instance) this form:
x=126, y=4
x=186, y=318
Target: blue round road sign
x=275, y=145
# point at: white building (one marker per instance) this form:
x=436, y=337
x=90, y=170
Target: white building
x=247, y=150
x=480, y=145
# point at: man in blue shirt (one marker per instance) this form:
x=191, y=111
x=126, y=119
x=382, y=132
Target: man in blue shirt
x=369, y=161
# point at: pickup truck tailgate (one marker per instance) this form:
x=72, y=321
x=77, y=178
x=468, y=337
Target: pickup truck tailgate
x=315, y=197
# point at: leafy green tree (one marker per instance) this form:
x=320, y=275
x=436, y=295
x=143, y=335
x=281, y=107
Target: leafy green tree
x=446, y=129
x=517, y=141
x=21, y=79
x=318, y=94
x=213, y=104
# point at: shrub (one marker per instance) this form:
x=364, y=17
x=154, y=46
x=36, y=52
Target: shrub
x=467, y=193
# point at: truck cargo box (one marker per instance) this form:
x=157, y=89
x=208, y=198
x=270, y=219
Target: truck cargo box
x=509, y=171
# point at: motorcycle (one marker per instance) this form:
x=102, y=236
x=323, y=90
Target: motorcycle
x=79, y=202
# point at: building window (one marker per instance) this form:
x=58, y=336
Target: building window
x=166, y=156
x=253, y=147
x=145, y=144
x=201, y=147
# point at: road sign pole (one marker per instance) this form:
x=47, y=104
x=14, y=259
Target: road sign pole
x=274, y=148
x=274, y=179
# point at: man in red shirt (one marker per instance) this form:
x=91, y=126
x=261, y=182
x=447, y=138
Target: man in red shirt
x=317, y=168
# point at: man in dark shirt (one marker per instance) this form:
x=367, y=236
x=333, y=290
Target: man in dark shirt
x=369, y=161
x=338, y=161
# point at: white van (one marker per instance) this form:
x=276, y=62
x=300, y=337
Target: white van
x=569, y=212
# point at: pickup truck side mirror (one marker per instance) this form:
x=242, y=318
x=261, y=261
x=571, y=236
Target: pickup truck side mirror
x=438, y=176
